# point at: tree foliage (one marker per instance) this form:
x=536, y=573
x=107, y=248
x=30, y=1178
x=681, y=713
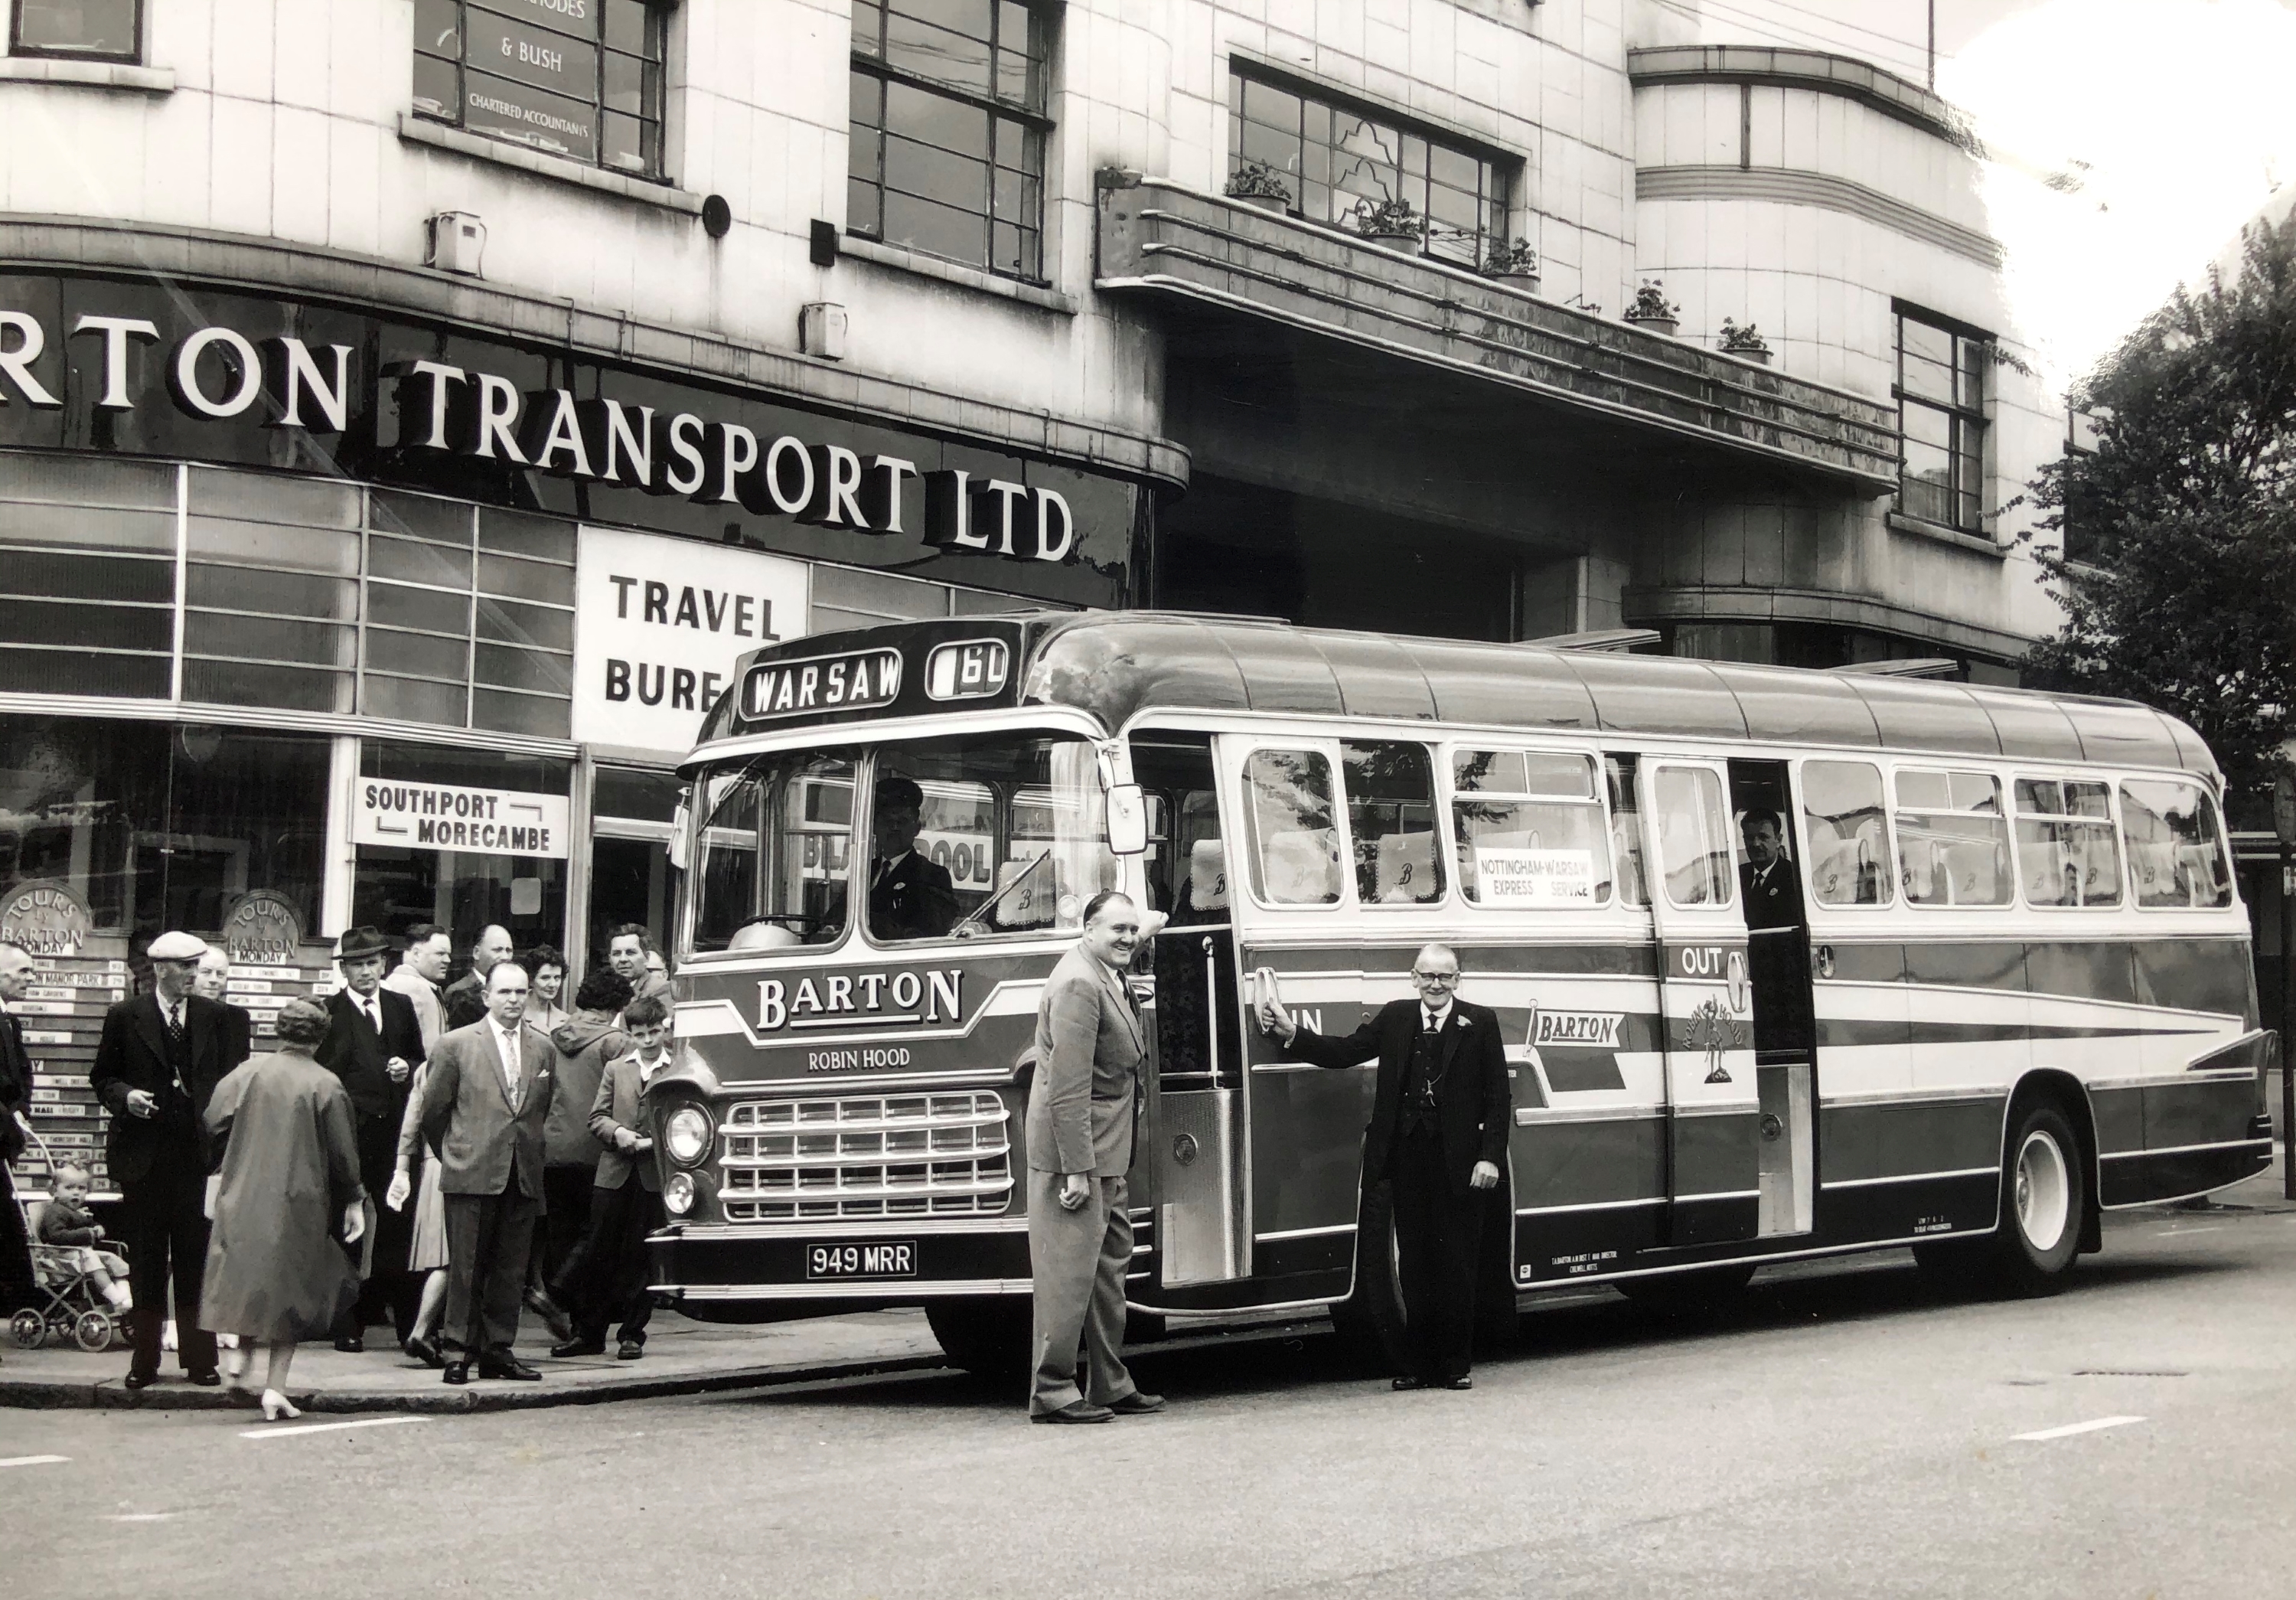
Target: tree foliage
x=2175, y=547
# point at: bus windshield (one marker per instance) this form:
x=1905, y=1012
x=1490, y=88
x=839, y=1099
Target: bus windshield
x=961, y=838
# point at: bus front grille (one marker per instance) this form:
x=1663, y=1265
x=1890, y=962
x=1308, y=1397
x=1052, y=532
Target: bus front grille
x=868, y=1156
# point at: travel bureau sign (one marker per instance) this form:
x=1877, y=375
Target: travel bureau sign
x=216, y=374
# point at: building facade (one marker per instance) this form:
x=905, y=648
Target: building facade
x=409, y=408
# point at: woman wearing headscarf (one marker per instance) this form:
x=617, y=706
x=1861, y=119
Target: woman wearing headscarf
x=286, y=1200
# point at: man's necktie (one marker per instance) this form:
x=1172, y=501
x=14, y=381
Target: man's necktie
x=176, y=1023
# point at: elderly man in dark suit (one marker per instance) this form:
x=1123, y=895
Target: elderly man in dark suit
x=161, y=1056
x=374, y=1043
x=1438, y=1134
x=1082, y=1114
x=486, y=1099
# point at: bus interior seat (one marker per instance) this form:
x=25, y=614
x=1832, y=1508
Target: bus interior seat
x=1207, y=885
x=1405, y=871
x=1302, y=866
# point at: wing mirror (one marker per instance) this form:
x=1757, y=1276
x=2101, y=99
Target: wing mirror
x=1128, y=819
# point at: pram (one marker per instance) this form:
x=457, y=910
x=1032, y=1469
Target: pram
x=75, y=1308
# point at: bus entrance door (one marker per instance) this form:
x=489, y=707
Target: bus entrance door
x=1194, y=1143
x=1713, y=1108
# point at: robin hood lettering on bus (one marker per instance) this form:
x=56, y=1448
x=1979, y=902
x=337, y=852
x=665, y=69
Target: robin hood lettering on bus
x=909, y=997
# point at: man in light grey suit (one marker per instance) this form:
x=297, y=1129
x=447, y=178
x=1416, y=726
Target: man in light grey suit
x=1081, y=1105
x=486, y=1097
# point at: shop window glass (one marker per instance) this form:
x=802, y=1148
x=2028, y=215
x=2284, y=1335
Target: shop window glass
x=464, y=890
x=79, y=621
x=1531, y=829
x=1953, y=841
x=1842, y=812
x=2068, y=852
x=1390, y=790
x=269, y=562
x=1693, y=837
x=776, y=851
x=1295, y=834
x=947, y=104
x=101, y=29
x=579, y=81
x=2175, y=848
x=650, y=797
x=631, y=879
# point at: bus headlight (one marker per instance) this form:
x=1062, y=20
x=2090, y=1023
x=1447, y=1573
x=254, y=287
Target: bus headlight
x=678, y=1193
x=686, y=1135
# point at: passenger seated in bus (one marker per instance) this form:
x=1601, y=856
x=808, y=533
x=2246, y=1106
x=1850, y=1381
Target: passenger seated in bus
x=909, y=896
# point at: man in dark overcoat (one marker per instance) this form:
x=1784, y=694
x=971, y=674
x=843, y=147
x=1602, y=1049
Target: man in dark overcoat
x=1439, y=1136
x=17, y=972
x=374, y=1043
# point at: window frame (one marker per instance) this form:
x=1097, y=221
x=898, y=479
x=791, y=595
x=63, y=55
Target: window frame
x=658, y=16
x=1599, y=799
x=1035, y=119
x=1503, y=170
x=1248, y=819
x=2110, y=782
x=1896, y=900
x=2005, y=800
x=133, y=57
x=2133, y=889
x=1960, y=415
x=1446, y=873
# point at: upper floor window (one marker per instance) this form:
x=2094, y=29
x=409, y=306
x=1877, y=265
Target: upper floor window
x=1941, y=420
x=579, y=78
x=1343, y=166
x=109, y=30
x=947, y=152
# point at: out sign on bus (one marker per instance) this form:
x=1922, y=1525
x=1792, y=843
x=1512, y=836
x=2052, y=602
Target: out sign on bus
x=967, y=670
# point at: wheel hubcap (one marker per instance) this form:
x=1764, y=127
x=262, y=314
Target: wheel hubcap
x=2044, y=1192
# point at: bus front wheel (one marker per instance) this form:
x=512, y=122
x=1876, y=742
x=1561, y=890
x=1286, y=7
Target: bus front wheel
x=986, y=1335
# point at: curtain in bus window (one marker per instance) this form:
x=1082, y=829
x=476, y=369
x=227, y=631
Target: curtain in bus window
x=1953, y=841
x=2067, y=851
x=1693, y=837
x=1295, y=840
x=1842, y=811
x=1391, y=789
x=1626, y=829
x=776, y=852
x=1531, y=830
x=2175, y=846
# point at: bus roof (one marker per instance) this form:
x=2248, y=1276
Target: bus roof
x=1116, y=665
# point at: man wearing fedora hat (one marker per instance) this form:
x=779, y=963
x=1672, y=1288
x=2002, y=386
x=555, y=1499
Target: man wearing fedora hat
x=374, y=1043
x=161, y=1056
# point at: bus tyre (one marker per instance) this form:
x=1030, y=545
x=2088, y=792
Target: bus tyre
x=1370, y=1322
x=986, y=1335
x=2044, y=1203
x=1702, y=1292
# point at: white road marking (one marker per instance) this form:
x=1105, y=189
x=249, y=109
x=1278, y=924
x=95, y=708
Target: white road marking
x=2210, y=1228
x=35, y=1461
x=2071, y=1429
x=143, y=1516
x=368, y=1422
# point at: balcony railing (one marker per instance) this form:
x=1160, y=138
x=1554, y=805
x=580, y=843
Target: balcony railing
x=1158, y=237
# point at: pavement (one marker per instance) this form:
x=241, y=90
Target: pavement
x=685, y=1357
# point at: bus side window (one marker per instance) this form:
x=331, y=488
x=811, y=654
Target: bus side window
x=1391, y=789
x=1187, y=858
x=1693, y=837
x=1953, y=840
x=1842, y=812
x=1295, y=837
x=2067, y=851
x=1626, y=829
x=1531, y=829
x=2174, y=844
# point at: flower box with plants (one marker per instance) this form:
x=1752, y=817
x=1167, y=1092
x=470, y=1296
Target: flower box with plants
x=1744, y=341
x=1653, y=310
x=1512, y=262
x=1391, y=225
x=1257, y=183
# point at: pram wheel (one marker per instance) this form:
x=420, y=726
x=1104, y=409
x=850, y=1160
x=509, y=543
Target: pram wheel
x=92, y=1331
x=30, y=1330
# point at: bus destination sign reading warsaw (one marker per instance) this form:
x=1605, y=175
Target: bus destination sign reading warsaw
x=862, y=681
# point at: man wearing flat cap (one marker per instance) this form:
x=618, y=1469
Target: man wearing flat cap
x=374, y=1043
x=161, y=1056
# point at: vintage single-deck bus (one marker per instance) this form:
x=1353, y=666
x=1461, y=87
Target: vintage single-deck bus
x=2010, y=984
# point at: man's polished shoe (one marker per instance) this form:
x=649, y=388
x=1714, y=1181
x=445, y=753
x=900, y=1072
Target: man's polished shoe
x=578, y=1347
x=1410, y=1383
x=1138, y=1403
x=1076, y=1411
x=352, y=1346
x=1461, y=1382
x=424, y=1350
x=206, y=1377
x=507, y=1366
x=138, y=1378
x=457, y=1372
x=631, y=1349
x=553, y=1315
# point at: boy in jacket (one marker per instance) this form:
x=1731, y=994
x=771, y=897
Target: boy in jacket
x=626, y=1202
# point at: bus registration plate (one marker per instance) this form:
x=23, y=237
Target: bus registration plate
x=894, y=1259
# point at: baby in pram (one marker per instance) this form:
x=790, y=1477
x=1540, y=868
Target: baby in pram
x=67, y=1223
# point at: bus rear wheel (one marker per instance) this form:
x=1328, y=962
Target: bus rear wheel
x=2045, y=1200
x=986, y=1335
x=1370, y=1322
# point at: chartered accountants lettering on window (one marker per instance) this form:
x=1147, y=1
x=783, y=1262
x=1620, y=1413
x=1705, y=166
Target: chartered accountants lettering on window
x=579, y=78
